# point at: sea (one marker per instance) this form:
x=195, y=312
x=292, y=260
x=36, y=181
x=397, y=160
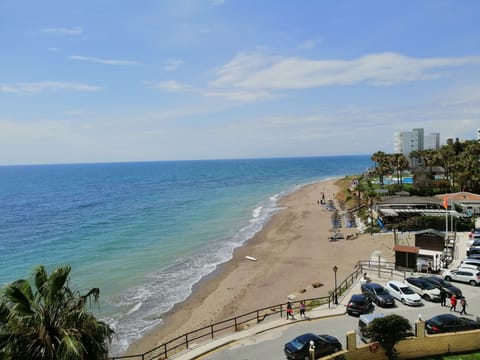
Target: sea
x=144, y=232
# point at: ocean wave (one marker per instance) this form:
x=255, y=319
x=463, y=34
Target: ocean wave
x=141, y=308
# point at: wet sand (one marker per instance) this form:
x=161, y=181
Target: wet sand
x=292, y=252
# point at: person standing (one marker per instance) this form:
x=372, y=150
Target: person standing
x=289, y=310
x=463, y=302
x=453, y=303
x=443, y=297
x=302, y=308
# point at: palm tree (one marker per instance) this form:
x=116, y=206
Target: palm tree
x=49, y=321
x=381, y=164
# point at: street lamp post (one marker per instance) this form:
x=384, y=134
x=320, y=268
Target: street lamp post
x=335, y=298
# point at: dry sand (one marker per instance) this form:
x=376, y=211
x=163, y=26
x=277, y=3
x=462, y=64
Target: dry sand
x=292, y=253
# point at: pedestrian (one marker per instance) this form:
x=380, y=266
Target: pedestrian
x=463, y=302
x=289, y=310
x=302, y=308
x=453, y=303
x=429, y=268
x=443, y=297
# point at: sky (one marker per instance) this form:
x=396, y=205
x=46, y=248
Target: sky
x=148, y=80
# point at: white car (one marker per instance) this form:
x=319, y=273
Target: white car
x=461, y=274
x=404, y=293
x=423, y=288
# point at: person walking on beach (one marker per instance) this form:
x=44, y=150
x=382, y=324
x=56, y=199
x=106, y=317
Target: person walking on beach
x=453, y=303
x=289, y=310
x=302, y=308
x=443, y=297
x=463, y=302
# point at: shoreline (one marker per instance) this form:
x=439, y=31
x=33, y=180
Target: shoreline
x=292, y=252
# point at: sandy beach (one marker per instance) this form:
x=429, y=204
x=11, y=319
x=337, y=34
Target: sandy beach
x=292, y=253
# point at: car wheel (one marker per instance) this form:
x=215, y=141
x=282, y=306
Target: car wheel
x=448, y=278
x=403, y=302
x=427, y=297
x=473, y=283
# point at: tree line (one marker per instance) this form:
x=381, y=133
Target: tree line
x=460, y=161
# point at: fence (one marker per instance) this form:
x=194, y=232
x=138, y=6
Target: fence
x=237, y=323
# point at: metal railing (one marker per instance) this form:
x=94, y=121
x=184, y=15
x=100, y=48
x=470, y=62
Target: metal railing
x=184, y=342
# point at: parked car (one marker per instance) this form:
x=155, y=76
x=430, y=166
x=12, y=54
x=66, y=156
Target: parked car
x=377, y=294
x=299, y=347
x=473, y=250
x=474, y=256
x=468, y=266
x=450, y=323
x=468, y=261
x=462, y=274
x=359, y=304
x=403, y=293
x=424, y=288
x=440, y=283
x=363, y=322
x=474, y=234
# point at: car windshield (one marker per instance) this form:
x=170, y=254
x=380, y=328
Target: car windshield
x=380, y=291
x=297, y=343
x=406, y=290
x=428, y=286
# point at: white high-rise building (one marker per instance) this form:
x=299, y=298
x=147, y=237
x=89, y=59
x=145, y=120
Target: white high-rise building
x=432, y=141
x=405, y=142
x=478, y=134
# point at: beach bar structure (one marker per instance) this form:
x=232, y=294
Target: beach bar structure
x=421, y=250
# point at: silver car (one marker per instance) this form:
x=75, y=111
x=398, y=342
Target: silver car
x=404, y=293
x=466, y=275
x=423, y=288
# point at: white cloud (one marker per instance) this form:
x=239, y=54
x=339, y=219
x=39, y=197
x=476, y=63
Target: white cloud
x=257, y=71
x=173, y=86
x=310, y=44
x=62, y=31
x=38, y=87
x=105, y=61
x=172, y=64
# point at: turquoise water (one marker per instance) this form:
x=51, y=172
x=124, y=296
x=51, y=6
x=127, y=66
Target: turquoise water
x=144, y=233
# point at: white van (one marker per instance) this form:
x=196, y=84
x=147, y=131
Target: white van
x=363, y=321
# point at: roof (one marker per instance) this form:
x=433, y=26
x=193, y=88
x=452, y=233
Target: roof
x=430, y=231
x=459, y=196
x=407, y=249
x=410, y=200
x=424, y=212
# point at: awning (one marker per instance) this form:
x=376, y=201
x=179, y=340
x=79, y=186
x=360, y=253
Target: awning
x=423, y=212
x=407, y=249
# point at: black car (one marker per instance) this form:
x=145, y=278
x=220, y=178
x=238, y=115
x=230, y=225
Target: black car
x=439, y=283
x=299, y=347
x=377, y=294
x=359, y=304
x=449, y=323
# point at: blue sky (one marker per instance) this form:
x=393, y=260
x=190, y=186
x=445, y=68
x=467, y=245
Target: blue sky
x=117, y=80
